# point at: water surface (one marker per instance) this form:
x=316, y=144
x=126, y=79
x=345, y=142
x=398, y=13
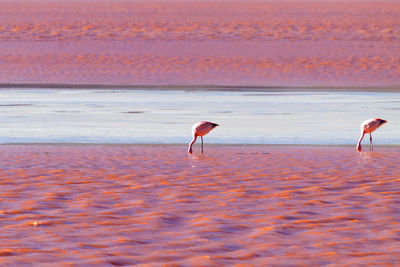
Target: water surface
x=153, y=204
x=166, y=116
x=285, y=43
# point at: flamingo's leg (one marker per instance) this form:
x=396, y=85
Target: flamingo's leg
x=201, y=144
x=370, y=142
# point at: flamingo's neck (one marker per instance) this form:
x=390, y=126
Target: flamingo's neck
x=359, y=141
x=191, y=143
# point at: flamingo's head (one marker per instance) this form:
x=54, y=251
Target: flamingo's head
x=359, y=147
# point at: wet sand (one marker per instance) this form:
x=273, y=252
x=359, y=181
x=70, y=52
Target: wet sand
x=155, y=205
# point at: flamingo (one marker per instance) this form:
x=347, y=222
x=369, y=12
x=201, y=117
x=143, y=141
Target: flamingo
x=201, y=128
x=369, y=126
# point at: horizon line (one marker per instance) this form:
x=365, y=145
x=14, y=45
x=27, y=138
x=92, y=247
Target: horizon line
x=202, y=87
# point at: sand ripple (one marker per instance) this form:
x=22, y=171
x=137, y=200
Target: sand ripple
x=275, y=206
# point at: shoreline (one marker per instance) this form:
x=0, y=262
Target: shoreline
x=209, y=145
x=206, y=87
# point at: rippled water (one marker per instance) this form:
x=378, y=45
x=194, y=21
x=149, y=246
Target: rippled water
x=261, y=205
x=210, y=42
x=166, y=116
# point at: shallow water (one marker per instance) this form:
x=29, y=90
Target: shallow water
x=166, y=116
x=210, y=42
x=261, y=205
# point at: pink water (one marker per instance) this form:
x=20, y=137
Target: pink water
x=157, y=206
x=269, y=43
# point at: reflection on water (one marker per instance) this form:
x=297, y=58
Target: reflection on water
x=260, y=205
x=156, y=116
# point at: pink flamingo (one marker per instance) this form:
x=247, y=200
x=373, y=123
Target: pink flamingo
x=369, y=126
x=201, y=128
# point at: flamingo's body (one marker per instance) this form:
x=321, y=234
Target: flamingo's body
x=369, y=126
x=200, y=128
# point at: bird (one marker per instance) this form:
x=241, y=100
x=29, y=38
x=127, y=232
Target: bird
x=369, y=126
x=201, y=128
